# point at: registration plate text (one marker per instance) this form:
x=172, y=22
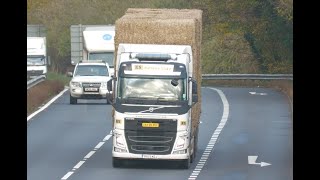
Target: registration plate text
x=150, y=125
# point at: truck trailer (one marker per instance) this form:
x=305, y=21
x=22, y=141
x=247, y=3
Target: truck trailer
x=156, y=86
x=92, y=42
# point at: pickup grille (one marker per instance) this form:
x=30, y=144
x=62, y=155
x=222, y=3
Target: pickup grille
x=91, y=84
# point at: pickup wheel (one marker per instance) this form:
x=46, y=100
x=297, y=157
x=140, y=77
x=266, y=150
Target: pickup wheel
x=73, y=100
x=116, y=162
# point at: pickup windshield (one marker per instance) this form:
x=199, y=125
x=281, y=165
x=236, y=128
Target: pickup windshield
x=160, y=89
x=91, y=70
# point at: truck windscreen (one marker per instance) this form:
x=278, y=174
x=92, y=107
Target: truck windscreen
x=107, y=57
x=165, y=89
x=35, y=60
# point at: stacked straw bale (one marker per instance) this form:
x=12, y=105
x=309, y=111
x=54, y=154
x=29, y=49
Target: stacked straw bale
x=164, y=26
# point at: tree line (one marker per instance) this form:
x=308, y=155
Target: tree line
x=239, y=36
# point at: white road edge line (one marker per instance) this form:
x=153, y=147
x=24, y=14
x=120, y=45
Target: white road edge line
x=46, y=105
x=215, y=135
x=66, y=176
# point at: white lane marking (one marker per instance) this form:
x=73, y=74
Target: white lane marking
x=45, y=106
x=89, y=154
x=214, y=136
x=99, y=145
x=107, y=137
x=78, y=165
x=66, y=176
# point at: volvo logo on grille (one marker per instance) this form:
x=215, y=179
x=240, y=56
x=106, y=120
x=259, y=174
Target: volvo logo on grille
x=151, y=109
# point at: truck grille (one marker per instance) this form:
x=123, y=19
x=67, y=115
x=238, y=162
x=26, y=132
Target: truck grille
x=142, y=140
x=35, y=72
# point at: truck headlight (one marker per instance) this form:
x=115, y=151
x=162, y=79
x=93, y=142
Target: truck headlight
x=120, y=142
x=75, y=84
x=181, y=141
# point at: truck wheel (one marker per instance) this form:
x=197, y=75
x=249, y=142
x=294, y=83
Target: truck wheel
x=73, y=100
x=185, y=163
x=116, y=162
x=193, y=155
x=195, y=146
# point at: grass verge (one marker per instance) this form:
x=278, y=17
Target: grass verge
x=40, y=94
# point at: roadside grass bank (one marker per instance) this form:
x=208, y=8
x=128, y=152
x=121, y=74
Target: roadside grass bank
x=40, y=94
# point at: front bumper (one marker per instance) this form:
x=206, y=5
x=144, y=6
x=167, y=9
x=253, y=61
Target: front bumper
x=81, y=94
x=150, y=156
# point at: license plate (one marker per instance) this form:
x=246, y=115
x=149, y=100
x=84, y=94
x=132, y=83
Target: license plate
x=149, y=156
x=150, y=125
x=91, y=89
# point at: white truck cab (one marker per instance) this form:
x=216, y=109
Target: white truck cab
x=36, y=56
x=154, y=93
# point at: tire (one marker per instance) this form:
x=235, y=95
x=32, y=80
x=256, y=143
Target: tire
x=195, y=145
x=73, y=100
x=185, y=163
x=192, y=156
x=116, y=162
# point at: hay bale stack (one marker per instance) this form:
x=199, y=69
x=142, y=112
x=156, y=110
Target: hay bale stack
x=164, y=26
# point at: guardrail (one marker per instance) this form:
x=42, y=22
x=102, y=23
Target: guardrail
x=35, y=81
x=39, y=79
x=248, y=76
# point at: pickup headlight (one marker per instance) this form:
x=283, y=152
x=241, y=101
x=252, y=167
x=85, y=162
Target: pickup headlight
x=75, y=84
x=103, y=85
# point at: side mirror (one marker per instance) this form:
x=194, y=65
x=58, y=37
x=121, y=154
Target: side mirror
x=109, y=85
x=110, y=98
x=109, y=94
x=194, y=98
x=69, y=74
x=194, y=91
